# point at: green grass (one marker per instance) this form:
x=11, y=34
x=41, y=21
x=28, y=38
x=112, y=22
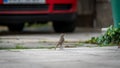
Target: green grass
x=21, y=47
x=79, y=44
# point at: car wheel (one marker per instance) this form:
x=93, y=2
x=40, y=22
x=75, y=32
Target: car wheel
x=16, y=27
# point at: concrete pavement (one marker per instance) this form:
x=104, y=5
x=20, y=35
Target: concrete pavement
x=83, y=57
x=44, y=40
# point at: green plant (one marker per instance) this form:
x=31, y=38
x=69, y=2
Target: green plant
x=79, y=44
x=111, y=37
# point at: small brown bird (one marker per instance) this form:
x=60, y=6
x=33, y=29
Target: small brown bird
x=61, y=41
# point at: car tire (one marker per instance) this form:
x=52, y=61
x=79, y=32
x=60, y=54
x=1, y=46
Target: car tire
x=16, y=27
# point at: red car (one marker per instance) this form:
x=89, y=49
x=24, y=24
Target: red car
x=14, y=13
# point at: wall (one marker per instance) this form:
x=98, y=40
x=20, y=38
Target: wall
x=85, y=13
x=104, y=13
x=94, y=13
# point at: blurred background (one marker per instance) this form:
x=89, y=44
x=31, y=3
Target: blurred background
x=94, y=14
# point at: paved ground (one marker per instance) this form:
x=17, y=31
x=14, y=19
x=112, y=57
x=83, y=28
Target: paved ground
x=84, y=57
x=44, y=36
x=43, y=40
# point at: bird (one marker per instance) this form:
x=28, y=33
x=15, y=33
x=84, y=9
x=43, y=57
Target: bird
x=61, y=41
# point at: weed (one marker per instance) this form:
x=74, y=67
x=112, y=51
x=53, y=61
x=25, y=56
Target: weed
x=79, y=44
x=20, y=47
x=111, y=37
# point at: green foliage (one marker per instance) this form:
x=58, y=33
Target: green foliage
x=20, y=47
x=112, y=36
x=77, y=44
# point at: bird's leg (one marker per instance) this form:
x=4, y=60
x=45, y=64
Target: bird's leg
x=61, y=47
x=56, y=46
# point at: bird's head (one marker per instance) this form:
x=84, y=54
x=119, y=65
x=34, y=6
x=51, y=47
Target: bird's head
x=62, y=35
